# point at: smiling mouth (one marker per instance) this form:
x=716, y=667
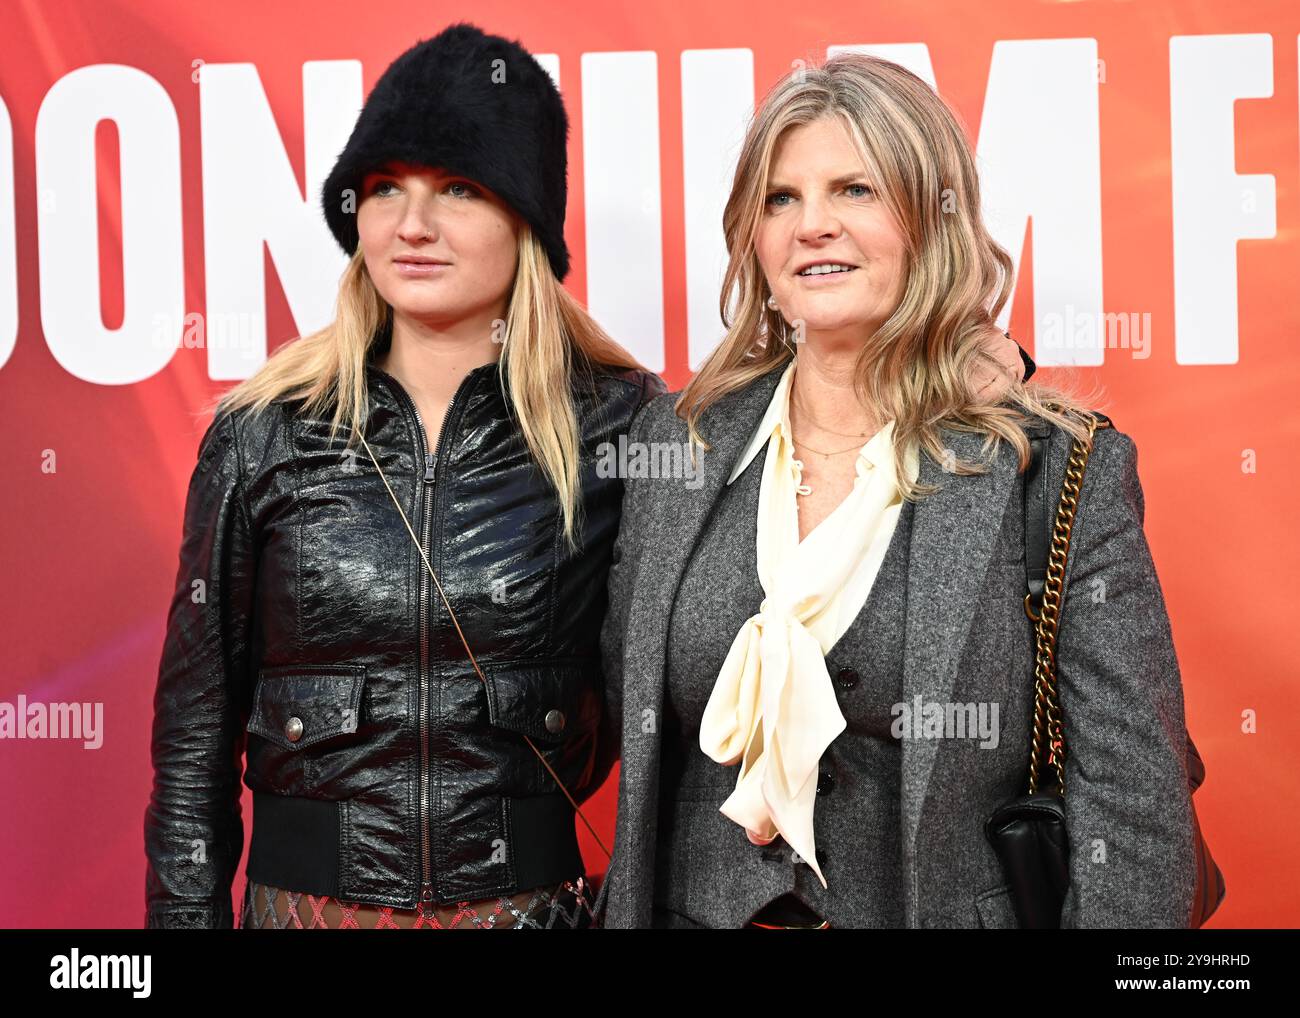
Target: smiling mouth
x=826, y=270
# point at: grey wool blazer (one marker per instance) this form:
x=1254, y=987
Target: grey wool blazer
x=1128, y=808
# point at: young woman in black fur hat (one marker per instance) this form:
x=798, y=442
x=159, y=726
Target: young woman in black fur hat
x=401, y=632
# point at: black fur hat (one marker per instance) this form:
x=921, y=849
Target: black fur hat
x=479, y=106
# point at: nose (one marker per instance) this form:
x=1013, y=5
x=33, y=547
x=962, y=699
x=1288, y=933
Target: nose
x=817, y=220
x=419, y=220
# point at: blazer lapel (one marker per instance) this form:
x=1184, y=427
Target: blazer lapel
x=954, y=532
x=727, y=426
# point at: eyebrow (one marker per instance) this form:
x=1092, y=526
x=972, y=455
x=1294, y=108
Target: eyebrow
x=839, y=181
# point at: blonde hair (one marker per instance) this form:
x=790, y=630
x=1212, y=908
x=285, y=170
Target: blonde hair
x=916, y=367
x=550, y=342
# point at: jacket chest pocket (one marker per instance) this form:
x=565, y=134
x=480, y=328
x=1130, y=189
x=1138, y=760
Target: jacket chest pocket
x=551, y=701
x=297, y=706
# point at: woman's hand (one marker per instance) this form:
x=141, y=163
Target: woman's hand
x=991, y=381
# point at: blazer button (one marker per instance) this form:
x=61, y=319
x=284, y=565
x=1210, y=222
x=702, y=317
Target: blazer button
x=825, y=783
x=293, y=729
x=847, y=678
x=554, y=722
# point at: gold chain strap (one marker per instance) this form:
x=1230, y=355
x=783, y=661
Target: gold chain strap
x=473, y=660
x=1047, y=706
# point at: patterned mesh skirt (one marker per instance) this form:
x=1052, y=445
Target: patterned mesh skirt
x=567, y=906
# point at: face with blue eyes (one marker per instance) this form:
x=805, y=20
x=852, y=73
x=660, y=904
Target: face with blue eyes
x=440, y=249
x=821, y=206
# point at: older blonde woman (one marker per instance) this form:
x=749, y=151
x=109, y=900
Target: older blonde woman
x=854, y=552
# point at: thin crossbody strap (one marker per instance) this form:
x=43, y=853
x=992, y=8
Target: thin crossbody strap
x=465, y=644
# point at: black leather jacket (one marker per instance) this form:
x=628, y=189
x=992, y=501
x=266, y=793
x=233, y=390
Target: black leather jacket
x=305, y=631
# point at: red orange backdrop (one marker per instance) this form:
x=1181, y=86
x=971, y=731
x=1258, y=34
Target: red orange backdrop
x=157, y=161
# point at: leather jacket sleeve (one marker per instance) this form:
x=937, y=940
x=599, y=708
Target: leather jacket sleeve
x=193, y=828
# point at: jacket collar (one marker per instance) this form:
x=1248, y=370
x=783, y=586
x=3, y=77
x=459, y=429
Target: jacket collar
x=766, y=425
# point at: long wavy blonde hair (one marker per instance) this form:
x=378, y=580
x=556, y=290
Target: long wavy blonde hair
x=550, y=346
x=915, y=369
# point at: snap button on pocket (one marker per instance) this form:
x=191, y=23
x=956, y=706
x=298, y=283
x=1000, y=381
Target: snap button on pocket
x=555, y=700
x=297, y=706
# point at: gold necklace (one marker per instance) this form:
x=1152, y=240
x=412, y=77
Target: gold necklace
x=841, y=434
x=803, y=488
x=828, y=455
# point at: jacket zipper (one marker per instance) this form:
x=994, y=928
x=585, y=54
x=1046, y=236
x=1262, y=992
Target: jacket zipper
x=431, y=461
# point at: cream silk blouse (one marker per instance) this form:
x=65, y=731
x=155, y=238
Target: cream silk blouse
x=773, y=708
